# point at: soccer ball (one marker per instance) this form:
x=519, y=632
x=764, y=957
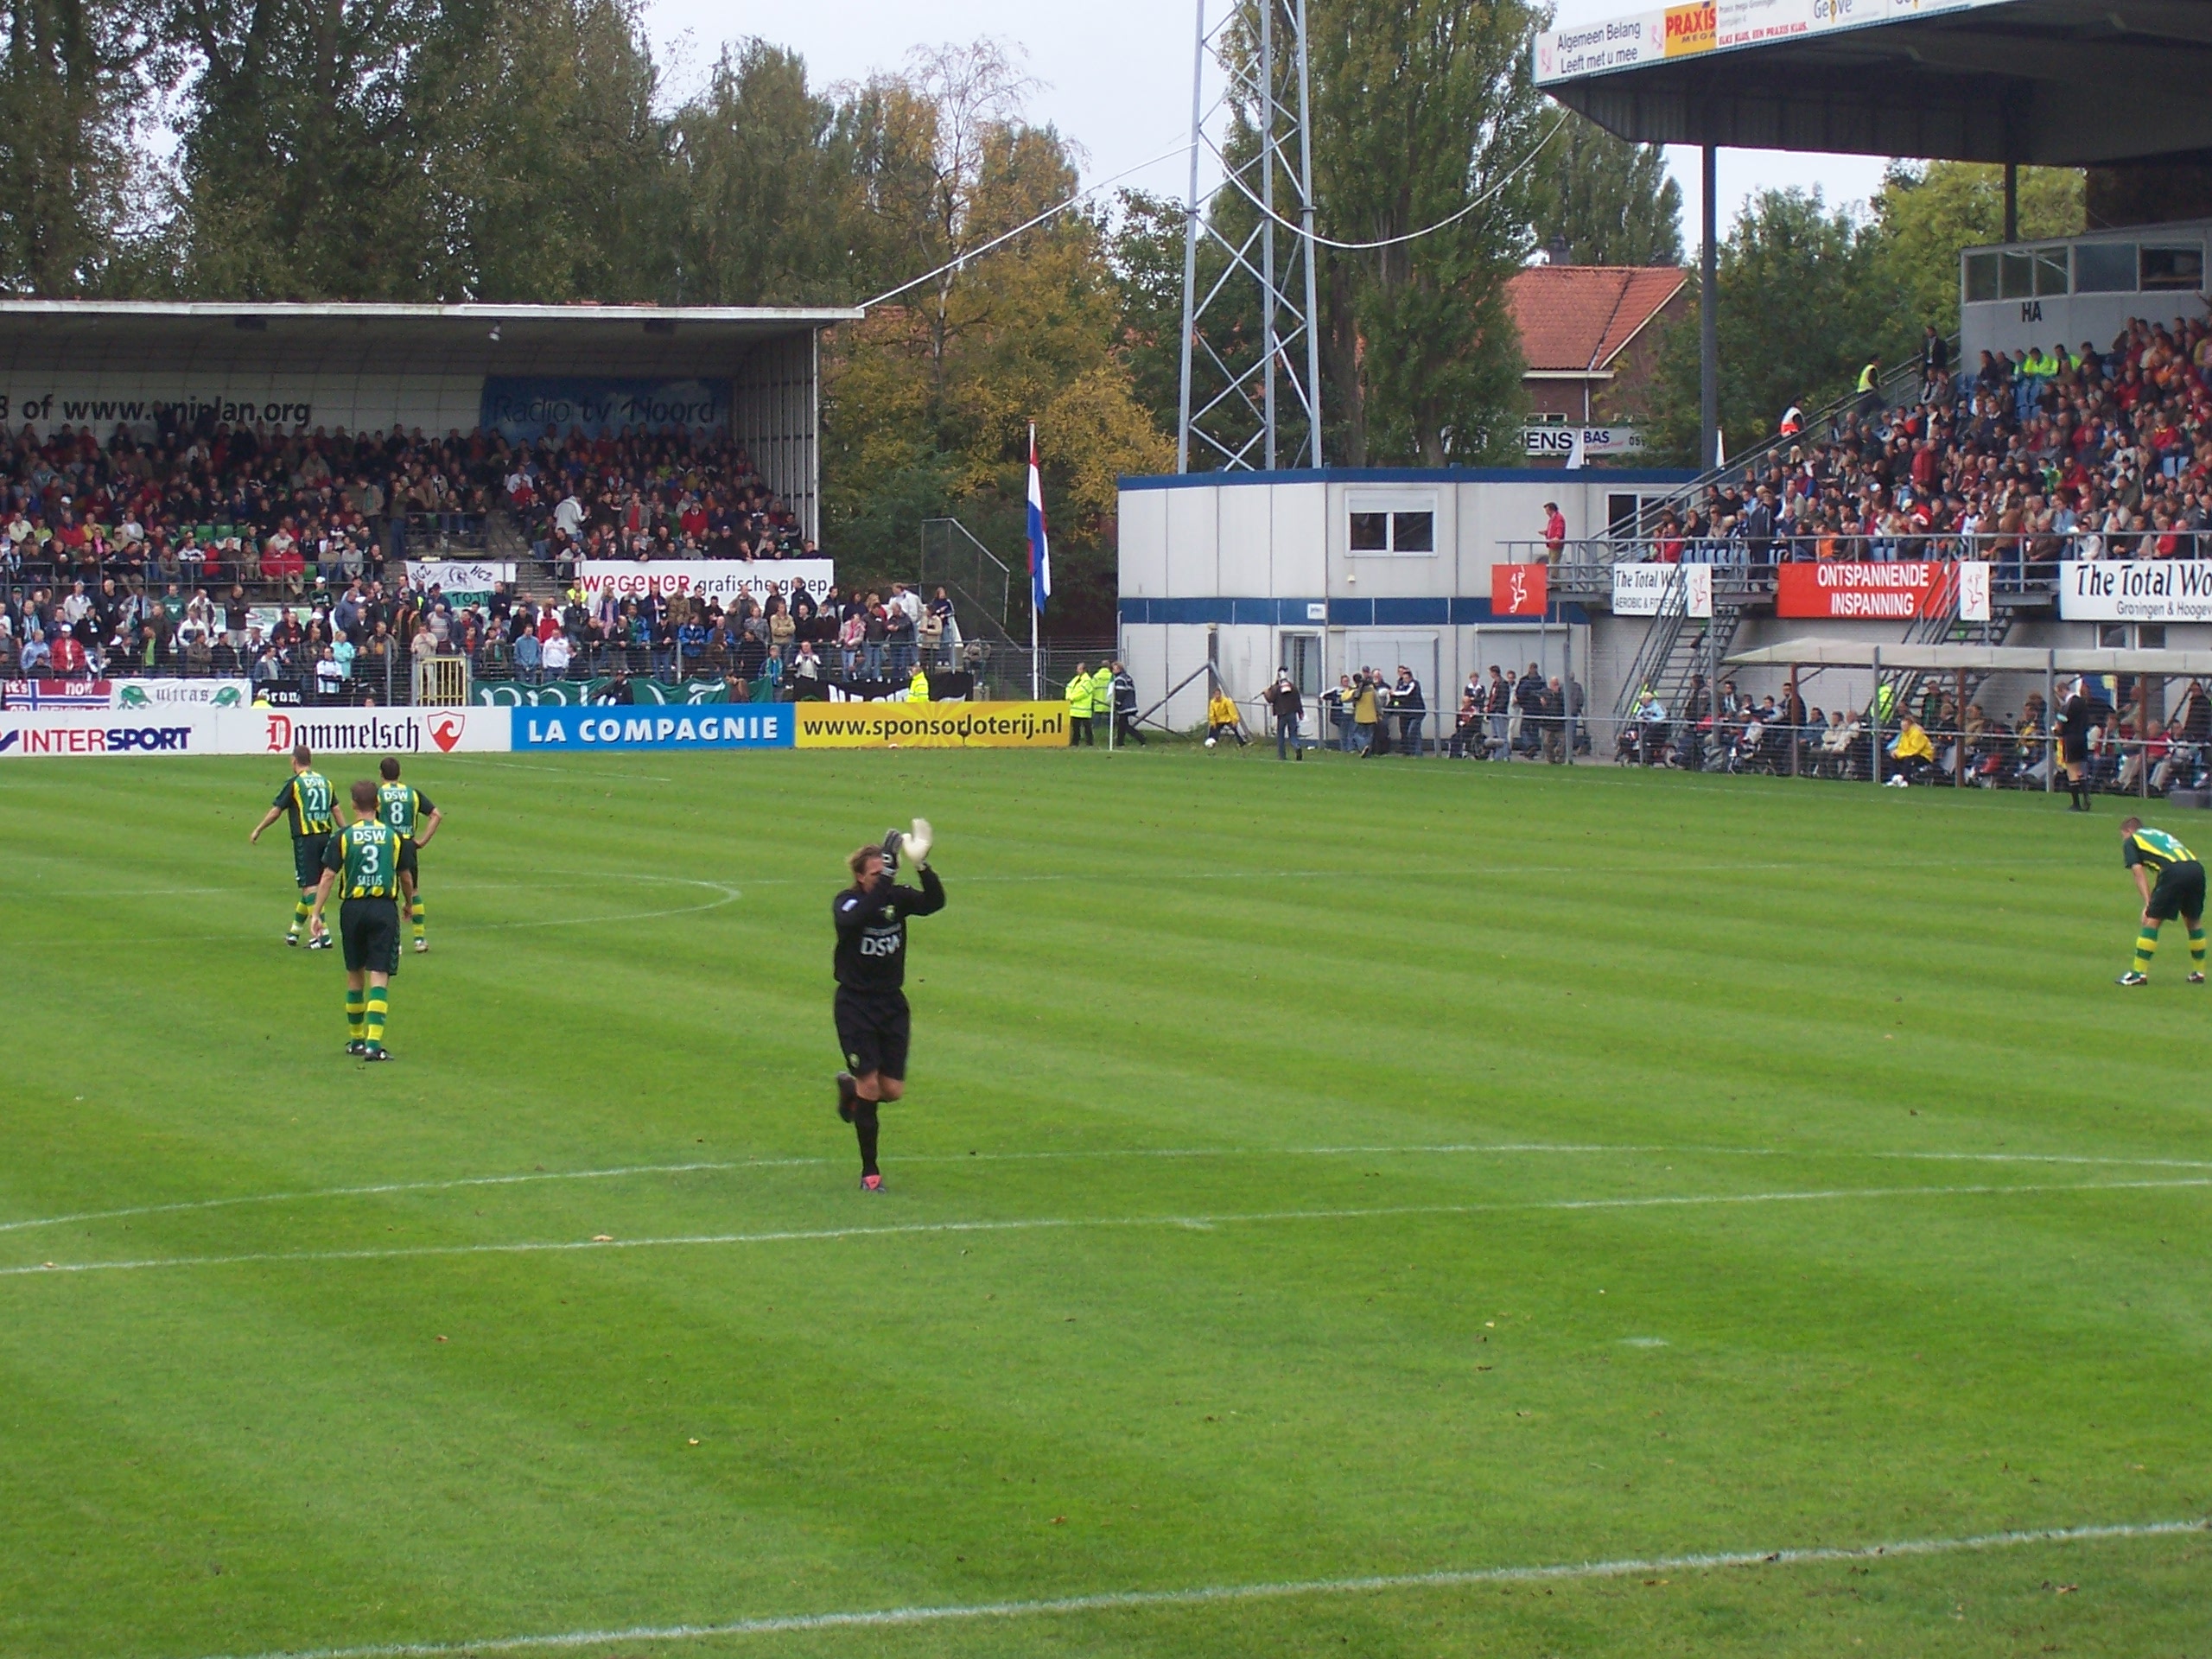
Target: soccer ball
x=1209, y=742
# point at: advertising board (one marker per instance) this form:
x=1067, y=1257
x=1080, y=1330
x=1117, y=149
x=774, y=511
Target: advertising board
x=2136, y=590
x=1645, y=590
x=1554, y=440
x=1641, y=37
x=932, y=725
x=199, y=730
x=89, y=733
x=717, y=579
x=1841, y=591
x=1520, y=589
x=365, y=731
x=521, y=408
x=744, y=726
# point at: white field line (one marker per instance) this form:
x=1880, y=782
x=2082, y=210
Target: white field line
x=1038, y=1223
x=385, y=1187
x=1452, y=1149
x=1210, y=1595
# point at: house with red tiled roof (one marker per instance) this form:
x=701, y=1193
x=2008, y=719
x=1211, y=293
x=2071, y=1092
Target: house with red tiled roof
x=1590, y=339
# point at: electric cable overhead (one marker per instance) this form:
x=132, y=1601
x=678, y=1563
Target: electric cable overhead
x=1088, y=190
x=1083, y=194
x=1519, y=167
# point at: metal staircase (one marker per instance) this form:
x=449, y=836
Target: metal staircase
x=1677, y=647
x=1946, y=629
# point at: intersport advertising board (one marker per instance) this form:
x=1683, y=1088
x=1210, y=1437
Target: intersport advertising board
x=2136, y=590
x=188, y=730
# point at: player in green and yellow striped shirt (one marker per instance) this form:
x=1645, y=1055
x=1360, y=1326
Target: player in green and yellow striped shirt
x=2171, y=881
x=361, y=864
x=307, y=799
x=409, y=811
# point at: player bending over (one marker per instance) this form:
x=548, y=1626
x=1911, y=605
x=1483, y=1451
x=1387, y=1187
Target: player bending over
x=362, y=862
x=2179, y=890
x=874, y=1024
x=306, y=799
x=412, y=817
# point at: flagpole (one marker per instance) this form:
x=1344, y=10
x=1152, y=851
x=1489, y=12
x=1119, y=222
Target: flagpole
x=1037, y=555
x=1036, y=684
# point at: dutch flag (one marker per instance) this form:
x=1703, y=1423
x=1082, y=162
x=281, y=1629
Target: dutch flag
x=1040, y=549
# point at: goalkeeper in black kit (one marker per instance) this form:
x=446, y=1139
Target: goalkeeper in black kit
x=874, y=1024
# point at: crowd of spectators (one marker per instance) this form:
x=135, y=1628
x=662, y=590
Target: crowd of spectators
x=645, y=496
x=852, y=635
x=2024, y=460
x=1926, y=738
x=216, y=505
x=226, y=551
x=1524, y=716
x=356, y=644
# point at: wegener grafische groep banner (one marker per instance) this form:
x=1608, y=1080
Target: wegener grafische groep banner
x=722, y=580
x=2136, y=590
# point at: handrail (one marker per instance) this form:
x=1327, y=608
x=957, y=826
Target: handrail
x=1904, y=376
x=2011, y=556
x=1006, y=571
x=978, y=613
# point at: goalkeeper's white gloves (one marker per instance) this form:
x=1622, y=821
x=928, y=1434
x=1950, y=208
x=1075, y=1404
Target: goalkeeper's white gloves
x=916, y=844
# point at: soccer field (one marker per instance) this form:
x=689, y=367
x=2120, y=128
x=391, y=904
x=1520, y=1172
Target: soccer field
x=1376, y=1208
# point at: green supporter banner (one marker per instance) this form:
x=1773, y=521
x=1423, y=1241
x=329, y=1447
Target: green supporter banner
x=573, y=694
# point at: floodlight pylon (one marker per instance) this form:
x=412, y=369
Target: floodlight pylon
x=1258, y=131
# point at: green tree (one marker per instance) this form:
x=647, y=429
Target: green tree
x=1610, y=201
x=73, y=191
x=303, y=153
x=1147, y=253
x=767, y=179
x=546, y=167
x=1424, y=112
x=1928, y=212
x=1804, y=300
x=927, y=403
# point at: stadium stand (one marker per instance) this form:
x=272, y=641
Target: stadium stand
x=2025, y=462
x=220, y=504
x=283, y=557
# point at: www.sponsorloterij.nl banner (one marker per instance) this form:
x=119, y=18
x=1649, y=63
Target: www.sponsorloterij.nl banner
x=932, y=725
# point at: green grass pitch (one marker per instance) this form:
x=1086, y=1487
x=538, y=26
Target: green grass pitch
x=1310, y=1173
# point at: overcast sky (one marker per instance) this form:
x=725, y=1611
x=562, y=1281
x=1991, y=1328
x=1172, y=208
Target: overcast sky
x=1116, y=76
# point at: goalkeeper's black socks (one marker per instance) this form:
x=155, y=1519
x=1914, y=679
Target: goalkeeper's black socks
x=865, y=1125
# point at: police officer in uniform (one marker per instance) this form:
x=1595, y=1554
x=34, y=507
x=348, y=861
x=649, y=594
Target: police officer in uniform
x=1079, y=707
x=874, y=1023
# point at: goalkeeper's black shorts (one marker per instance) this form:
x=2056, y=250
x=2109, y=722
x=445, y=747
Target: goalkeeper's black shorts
x=874, y=1030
